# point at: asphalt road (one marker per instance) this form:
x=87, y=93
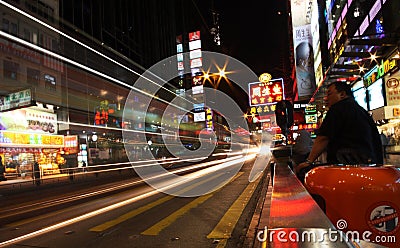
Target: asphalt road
x=130, y=213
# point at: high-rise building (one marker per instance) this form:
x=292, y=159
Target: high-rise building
x=67, y=69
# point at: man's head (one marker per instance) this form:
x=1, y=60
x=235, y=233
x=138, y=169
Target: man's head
x=338, y=91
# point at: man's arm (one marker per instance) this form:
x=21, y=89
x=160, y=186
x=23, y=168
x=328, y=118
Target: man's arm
x=320, y=144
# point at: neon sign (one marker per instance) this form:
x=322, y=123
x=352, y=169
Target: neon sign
x=266, y=94
x=379, y=71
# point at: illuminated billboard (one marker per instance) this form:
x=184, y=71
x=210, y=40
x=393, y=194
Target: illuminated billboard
x=194, y=35
x=306, y=47
x=193, y=45
x=266, y=93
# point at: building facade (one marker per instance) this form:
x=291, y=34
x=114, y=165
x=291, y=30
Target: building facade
x=67, y=70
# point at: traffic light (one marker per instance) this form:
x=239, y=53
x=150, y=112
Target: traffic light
x=284, y=115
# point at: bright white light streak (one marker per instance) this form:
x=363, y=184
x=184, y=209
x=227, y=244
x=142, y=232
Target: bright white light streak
x=84, y=217
x=124, y=185
x=115, y=128
x=244, y=151
x=69, y=37
x=33, y=46
x=78, y=42
x=86, y=46
x=211, y=169
x=120, y=204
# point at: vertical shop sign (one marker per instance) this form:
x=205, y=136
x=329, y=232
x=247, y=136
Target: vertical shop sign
x=392, y=88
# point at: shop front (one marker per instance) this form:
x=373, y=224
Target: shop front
x=382, y=87
x=28, y=135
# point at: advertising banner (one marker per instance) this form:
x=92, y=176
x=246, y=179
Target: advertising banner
x=304, y=57
x=29, y=120
x=303, y=46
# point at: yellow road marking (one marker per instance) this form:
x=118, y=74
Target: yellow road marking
x=157, y=228
x=222, y=243
x=129, y=215
x=133, y=213
x=224, y=228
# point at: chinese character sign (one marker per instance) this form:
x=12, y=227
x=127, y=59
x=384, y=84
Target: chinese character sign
x=392, y=89
x=266, y=93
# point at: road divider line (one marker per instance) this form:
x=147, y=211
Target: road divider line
x=224, y=229
x=133, y=213
x=157, y=228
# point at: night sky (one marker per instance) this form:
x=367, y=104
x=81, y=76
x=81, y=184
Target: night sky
x=254, y=33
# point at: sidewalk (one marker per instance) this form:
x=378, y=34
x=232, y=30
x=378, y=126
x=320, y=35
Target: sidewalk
x=14, y=184
x=28, y=181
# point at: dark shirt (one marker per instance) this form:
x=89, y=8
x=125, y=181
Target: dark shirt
x=350, y=128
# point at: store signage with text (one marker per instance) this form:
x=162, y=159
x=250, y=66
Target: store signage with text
x=379, y=71
x=29, y=120
x=16, y=100
x=18, y=139
x=266, y=94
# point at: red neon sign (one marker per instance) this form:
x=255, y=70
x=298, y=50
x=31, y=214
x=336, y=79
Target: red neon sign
x=266, y=93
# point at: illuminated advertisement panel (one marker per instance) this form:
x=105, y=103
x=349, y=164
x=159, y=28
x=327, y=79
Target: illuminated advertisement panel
x=19, y=139
x=304, y=57
x=303, y=27
x=311, y=118
x=197, y=80
x=360, y=94
x=16, y=100
x=195, y=54
x=266, y=93
x=198, y=107
x=197, y=89
x=196, y=63
x=375, y=93
x=179, y=48
x=392, y=87
x=179, y=57
x=316, y=43
x=209, y=121
x=194, y=36
x=29, y=120
x=181, y=67
x=193, y=45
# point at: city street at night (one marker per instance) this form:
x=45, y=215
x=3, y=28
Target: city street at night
x=199, y=123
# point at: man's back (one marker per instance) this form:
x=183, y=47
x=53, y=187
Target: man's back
x=353, y=136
